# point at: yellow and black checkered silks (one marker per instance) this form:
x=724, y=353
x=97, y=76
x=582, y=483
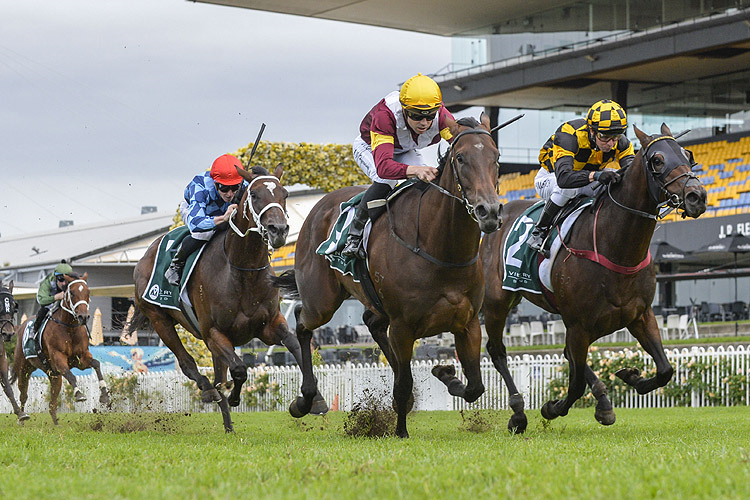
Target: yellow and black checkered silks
x=607, y=116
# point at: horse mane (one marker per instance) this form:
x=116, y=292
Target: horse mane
x=466, y=121
x=74, y=275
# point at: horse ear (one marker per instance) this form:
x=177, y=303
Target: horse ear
x=642, y=137
x=665, y=130
x=248, y=176
x=454, y=127
x=484, y=120
x=279, y=171
x=85, y=276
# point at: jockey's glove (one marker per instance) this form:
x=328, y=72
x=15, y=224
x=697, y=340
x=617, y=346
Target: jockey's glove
x=607, y=177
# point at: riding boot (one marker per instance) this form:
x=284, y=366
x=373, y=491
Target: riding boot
x=35, y=333
x=353, y=248
x=356, y=229
x=540, y=231
x=187, y=247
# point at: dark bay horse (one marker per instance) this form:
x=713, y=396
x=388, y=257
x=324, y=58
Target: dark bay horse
x=230, y=289
x=595, y=300
x=65, y=345
x=8, y=308
x=432, y=287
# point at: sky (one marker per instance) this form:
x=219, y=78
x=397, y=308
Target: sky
x=110, y=105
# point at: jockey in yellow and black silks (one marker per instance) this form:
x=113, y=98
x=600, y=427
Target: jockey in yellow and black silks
x=579, y=157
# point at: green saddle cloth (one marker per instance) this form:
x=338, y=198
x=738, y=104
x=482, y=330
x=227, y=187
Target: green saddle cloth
x=159, y=291
x=29, y=346
x=332, y=247
x=521, y=263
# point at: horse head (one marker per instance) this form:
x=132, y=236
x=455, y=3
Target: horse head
x=264, y=201
x=670, y=178
x=473, y=160
x=8, y=308
x=76, y=299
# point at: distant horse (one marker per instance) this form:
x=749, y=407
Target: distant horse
x=230, y=289
x=596, y=299
x=65, y=345
x=423, y=260
x=8, y=308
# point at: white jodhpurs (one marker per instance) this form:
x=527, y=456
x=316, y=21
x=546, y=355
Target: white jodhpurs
x=546, y=186
x=363, y=157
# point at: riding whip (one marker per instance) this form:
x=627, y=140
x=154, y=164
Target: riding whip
x=503, y=125
x=255, y=144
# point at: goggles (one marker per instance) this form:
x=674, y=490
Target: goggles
x=417, y=117
x=225, y=188
x=60, y=277
x=608, y=137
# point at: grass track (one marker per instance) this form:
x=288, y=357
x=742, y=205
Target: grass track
x=674, y=453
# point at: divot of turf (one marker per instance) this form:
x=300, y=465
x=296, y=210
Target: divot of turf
x=371, y=417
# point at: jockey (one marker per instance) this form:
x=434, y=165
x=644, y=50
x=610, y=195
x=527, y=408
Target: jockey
x=579, y=154
x=387, y=148
x=51, y=292
x=207, y=203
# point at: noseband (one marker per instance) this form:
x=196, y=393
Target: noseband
x=248, y=207
x=452, y=160
x=656, y=180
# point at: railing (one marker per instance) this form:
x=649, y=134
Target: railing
x=349, y=383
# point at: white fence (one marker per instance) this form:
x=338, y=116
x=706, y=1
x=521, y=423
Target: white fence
x=349, y=383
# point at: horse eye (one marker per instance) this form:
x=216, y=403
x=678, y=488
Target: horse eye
x=460, y=158
x=253, y=194
x=658, y=161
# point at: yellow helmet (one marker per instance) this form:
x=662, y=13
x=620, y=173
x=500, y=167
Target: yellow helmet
x=607, y=117
x=421, y=94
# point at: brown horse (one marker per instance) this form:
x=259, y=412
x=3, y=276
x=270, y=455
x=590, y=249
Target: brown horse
x=65, y=345
x=8, y=308
x=595, y=300
x=425, y=289
x=230, y=289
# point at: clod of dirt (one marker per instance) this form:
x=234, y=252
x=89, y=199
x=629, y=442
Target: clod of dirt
x=371, y=417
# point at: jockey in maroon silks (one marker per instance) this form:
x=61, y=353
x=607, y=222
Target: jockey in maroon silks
x=387, y=148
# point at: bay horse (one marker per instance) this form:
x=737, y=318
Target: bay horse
x=230, y=289
x=596, y=299
x=65, y=345
x=8, y=308
x=433, y=286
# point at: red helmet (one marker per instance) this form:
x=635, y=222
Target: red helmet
x=224, y=172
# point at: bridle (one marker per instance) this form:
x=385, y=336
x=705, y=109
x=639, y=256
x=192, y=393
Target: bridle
x=452, y=161
x=656, y=181
x=8, y=306
x=67, y=305
x=248, y=207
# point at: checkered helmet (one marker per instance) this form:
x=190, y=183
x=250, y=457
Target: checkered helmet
x=607, y=117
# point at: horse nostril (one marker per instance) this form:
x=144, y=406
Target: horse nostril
x=481, y=211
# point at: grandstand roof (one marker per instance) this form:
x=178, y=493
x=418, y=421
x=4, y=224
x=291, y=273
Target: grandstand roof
x=669, y=57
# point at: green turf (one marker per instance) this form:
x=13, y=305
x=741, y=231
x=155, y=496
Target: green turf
x=656, y=453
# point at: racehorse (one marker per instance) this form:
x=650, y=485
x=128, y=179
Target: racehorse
x=230, y=289
x=595, y=299
x=431, y=285
x=65, y=345
x=8, y=308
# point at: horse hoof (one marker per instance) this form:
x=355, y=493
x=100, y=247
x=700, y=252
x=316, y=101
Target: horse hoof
x=517, y=423
x=605, y=417
x=79, y=396
x=210, y=396
x=295, y=409
x=234, y=402
x=319, y=406
x=104, y=398
x=546, y=411
x=628, y=375
x=23, y=417
x=440, y=371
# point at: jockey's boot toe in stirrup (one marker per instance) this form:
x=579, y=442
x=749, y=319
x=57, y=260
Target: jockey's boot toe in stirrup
x=536, y=241
x=352, y=248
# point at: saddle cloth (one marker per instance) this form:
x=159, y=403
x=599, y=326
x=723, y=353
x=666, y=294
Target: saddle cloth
x=525, y=269
x=29, y=346
x=159, y=292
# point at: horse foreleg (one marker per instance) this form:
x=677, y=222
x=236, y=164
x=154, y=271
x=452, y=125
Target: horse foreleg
x=8, y=389
x=576, y=350
x=402, y=344
x=646, y=331
x=604, y=414
x=378, y=326
x=290, y=341
x=303, y=404
x=499, y=356
x=468, y=347
x=55, y=384
x=168, y=334
x=103, y=389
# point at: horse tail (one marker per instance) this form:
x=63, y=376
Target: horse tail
x=139, y=321
x=287, y=283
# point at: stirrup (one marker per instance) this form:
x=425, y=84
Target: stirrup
x=173, y=275
x=352, y=247
x=536, y=243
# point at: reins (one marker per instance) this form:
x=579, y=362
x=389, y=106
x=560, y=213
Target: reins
x=467, y=205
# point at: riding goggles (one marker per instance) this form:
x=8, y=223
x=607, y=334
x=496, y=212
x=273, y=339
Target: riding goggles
x=60, y=277
x=419, y=116
x=608, y=137
x=225, y=188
